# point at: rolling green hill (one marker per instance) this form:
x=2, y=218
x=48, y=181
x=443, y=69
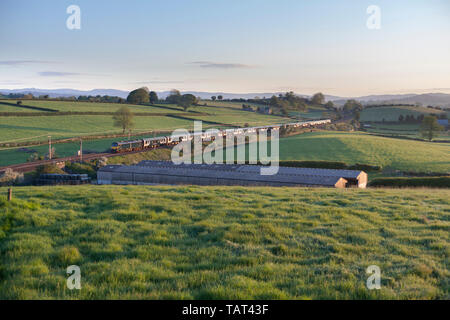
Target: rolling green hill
x=37, y=128
x=392, y=113
x=75, y=106
x=224, y=243
x=351, y=148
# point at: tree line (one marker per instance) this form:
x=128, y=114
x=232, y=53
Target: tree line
x=144, y=95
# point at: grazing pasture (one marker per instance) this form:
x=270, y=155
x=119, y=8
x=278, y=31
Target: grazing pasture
x=391, y=113
x=75, y=106
x=351, y=148
x=38, y=128
x=30, y=128
x=224, y=243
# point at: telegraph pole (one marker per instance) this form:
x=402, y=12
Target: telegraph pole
x=50, y=147
x=81, y=150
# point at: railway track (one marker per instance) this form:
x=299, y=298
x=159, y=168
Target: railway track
x=30, y=166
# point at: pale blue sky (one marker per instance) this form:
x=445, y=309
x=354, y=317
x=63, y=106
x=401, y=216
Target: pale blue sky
x=230, y=46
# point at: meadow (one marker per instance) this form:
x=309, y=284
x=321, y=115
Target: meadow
x=75, y=106
x=21, y=155
x=230, y=104
x=389, y=153
x=135, y=242
x=391, y=113
x=16, y=129
x=31, y=128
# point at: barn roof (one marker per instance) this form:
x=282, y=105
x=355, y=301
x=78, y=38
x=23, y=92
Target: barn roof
x=250, y=173
x=347, y=174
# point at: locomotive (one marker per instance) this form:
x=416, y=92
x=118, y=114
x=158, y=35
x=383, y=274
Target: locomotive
x=156, y=142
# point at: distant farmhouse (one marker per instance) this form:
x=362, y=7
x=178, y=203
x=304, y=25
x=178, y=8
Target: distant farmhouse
x=165, y=172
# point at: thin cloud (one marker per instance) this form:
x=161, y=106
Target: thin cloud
x=8, y=82
x=158, y=82
x=21, y=62
x=57, y=74
x=217, y=65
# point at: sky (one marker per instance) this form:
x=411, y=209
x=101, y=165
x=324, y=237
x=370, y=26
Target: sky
x=239, y=46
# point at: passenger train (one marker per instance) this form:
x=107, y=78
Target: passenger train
x=155, y=142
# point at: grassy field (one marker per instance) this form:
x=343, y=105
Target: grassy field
x=30, y=128
x=224, y=243
x=20, y=155
x=313, y=113
x=7, y=108
x=75, y=106
x=351, y=148
x=392, y=113
x=230, y=104
x=236, y=117
x=411, y=130
x=38, y=128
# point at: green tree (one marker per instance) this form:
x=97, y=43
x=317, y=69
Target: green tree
x=213, y=98
x=174, y=97
x=138, y=96
x=153, y=97
x=318, y=98
x=430, y=127
x=352, y=105
x=219, y=97
x=123, y=118
x=186, y=101
x=274, y=101
x=329, y=105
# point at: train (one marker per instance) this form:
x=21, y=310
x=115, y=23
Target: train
x=156, y=142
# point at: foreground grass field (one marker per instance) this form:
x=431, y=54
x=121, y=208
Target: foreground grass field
x=224, y=243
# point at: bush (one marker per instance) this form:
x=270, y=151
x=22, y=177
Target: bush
x=313, y=164
x=80, y=168
x=33, y=157
x=48, y=168
x=10, y=177
x=342, y=126
x=328, y=165
x=364, y=167
x=103, y=161
x=429, y=182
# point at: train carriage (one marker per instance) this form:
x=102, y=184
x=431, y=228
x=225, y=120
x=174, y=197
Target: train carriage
x=150, y=143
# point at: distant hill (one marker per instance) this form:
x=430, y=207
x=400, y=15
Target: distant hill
x=56, y=93
x=434, y=99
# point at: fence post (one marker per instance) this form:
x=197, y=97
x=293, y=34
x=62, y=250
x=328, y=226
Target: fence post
x=9, y=194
